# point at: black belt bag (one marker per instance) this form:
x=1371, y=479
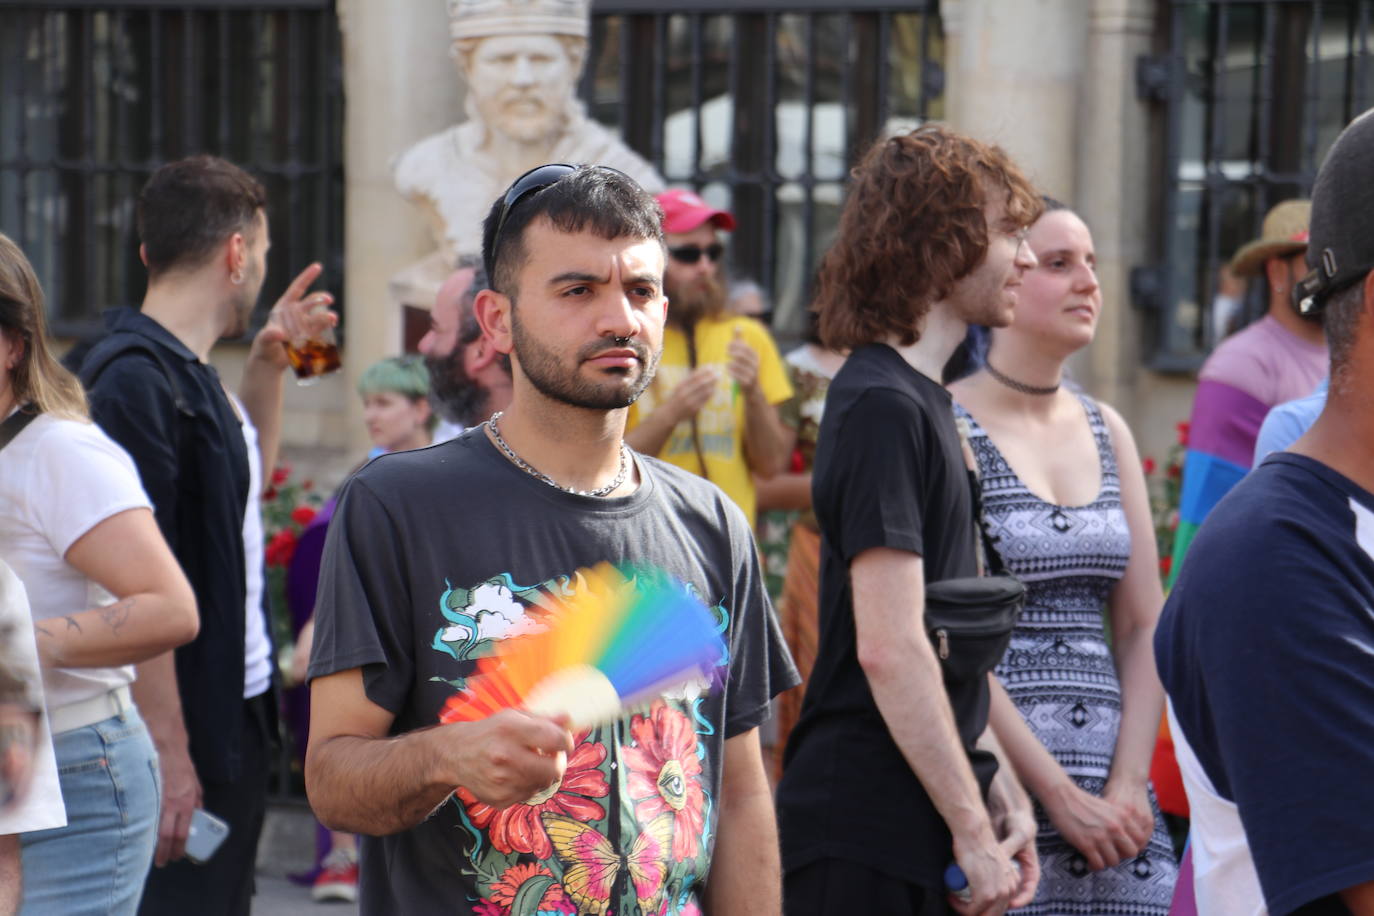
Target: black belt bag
x=969, y=622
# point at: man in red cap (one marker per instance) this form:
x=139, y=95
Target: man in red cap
x=712, y=407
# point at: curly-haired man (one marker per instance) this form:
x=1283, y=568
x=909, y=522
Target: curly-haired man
x=888, y=769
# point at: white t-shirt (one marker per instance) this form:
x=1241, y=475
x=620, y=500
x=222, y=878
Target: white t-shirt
x=41, y=806
x=257, y=664
x=1224, y=877
x=58, y=480
x=444, y=431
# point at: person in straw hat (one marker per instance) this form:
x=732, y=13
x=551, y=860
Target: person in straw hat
x=1280, y=357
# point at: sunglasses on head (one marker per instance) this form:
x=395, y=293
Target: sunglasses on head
x=532, y=182
x=690, y=254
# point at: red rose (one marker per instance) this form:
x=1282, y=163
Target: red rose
x=308, y=485
x=1183, y=432
x=1166, y=563
x=269, y=494
x=280, y=474
x=281, y=548
x=1149, y=465
x=302, y=515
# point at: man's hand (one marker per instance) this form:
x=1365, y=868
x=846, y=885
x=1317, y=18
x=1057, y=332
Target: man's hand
x=297, y=315
x=508, y=757
x=181, y=794
x=692, y=393
x=1104, y=831
x=744, y=363
x=992, y=880
x=1013, y=820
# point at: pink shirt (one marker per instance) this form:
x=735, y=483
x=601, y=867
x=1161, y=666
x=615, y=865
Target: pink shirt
x=1267, y=362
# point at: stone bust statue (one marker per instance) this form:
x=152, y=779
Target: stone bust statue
x=521, y=60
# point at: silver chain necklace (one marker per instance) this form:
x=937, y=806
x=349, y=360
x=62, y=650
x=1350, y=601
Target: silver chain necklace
x=540, y=475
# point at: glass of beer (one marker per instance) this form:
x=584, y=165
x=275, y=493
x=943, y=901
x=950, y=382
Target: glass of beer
x=315, y=356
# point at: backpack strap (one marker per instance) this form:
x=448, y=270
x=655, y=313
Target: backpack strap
x=14, y=424
x=91, y=370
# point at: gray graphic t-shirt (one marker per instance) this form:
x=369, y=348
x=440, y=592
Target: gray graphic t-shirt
x=436, y=555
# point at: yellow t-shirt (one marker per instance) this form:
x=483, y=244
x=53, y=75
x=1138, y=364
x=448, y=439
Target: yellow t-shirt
x=720, y=423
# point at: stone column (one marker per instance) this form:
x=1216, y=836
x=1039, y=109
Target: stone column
x=1014, y=79
x=1112, y=192
x=400, y=85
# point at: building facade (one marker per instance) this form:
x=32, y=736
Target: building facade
x=1170, y=125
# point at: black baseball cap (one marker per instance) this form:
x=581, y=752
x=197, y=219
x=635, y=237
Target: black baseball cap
x=1340, y=249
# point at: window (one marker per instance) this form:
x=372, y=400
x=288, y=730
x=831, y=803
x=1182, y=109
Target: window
x=1255, y=93
x=93, y=97
x=764, y=112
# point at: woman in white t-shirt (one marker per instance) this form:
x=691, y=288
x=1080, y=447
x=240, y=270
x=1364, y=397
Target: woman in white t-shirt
x=104, y=592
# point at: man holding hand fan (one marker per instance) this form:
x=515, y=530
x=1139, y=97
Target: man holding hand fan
x=454, y=572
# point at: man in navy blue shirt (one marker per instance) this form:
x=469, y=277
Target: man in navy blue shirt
x=1266, y=646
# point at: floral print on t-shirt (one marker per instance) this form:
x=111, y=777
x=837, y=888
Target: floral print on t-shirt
x=629, y=827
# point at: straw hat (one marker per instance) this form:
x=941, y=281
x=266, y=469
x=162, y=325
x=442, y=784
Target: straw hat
x=1284, y=233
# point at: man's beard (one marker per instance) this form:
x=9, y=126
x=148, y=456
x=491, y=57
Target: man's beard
x=705, y=300
x=456, y=397
x=542, y=367
x=242, y=314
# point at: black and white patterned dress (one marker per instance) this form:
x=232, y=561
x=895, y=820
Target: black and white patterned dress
x=1059, y=670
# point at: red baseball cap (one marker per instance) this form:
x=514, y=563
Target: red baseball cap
x=684, y=210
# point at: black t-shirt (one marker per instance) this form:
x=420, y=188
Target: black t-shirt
x=432, y=558
x=889, y=472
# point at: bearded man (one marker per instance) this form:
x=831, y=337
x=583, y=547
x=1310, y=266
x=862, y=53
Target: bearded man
x=712, y=407
x=438, y=555
x=468, y=379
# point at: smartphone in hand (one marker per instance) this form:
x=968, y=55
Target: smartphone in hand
x=205, y=836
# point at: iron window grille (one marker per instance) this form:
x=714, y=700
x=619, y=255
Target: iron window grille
x=95, y=95
x=1253, y=95
x=763, y=107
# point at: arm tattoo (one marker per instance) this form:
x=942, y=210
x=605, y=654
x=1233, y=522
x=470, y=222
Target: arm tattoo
x=117, y=614
x=72, y=624
x=43, y=631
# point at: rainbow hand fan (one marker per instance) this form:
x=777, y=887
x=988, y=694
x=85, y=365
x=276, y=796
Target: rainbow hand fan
x=620, y=638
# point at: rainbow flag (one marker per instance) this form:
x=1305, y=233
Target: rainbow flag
x=1221, y=448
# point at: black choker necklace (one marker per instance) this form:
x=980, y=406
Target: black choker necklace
x=1022, y=387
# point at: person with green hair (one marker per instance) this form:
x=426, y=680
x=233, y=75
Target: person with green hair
x=396, y=404
x=395, y=393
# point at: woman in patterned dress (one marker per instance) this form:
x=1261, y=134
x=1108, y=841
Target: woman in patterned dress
x=1065, y=502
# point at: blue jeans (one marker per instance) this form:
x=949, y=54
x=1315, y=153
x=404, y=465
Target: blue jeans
x=111, y=787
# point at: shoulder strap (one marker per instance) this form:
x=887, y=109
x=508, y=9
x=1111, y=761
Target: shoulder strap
x=92, y=369
x=989, y=559
x=14, y=424
x=1102, y=435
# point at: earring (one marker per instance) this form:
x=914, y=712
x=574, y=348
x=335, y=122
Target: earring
x=236, y=277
